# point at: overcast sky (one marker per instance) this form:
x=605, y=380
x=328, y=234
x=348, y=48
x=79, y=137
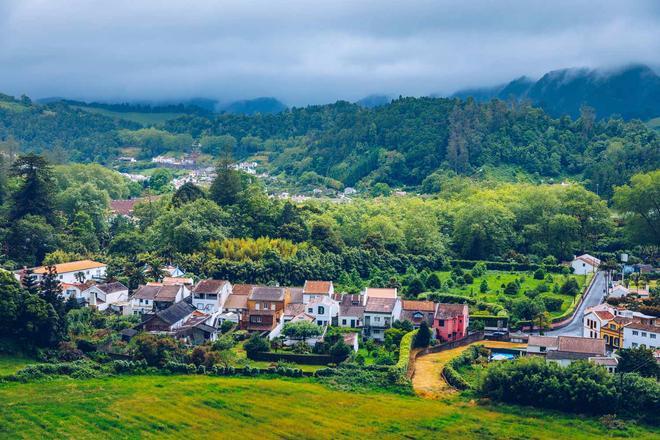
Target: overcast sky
x=308, y=51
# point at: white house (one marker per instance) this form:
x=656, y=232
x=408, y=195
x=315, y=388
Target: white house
x=314, y=289
x=156, y=297
x=70, y=273
x=619, y=291
x=593, y=320
x=379, y=315
x=73, y=290
x=585, y=264
x=565, y=349
x=541, y=344
x=104, y=295
x=351, y=311
x=324, y=310
x=210, y=295
x=637, y=334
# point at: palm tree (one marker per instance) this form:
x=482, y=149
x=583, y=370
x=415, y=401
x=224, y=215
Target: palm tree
x=543, y=321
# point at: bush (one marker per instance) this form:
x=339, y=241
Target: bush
x=80, y=369
x=469, y=279
x=224, y=342
x=423, y=336
x=552, y=304
x=570, y=287
x=340, y=350
x=511, y=288
x=256, y=344
x=539, y=274
x=226, y=326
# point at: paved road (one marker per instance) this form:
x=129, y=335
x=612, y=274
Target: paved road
x=593, y=297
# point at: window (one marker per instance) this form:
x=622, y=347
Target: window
x=652, y=335
x=643, y=334
x=441, y=322
x=343, y=322
x=634, y=344
x=310, y=310
x=319, y=322
x=321, y=310
x=542, y=349
x=376, y=318
x=612, y=326
x=256, y=306
x=635, y=332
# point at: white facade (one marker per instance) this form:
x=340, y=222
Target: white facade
x=70, y=273
x=636, y=335
x=585, y=264
x=141, y=306
x=211, y=302
x=103, y=300
x=323, y=309
x=591, y=325
x=376, y=323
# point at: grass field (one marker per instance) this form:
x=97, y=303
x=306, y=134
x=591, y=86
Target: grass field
x=203, y=407
x=146, y=119
x=11, y=364
x=496, y=279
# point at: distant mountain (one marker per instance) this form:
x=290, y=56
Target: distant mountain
x=266, y=105
x=631, y=92
x=373, y=101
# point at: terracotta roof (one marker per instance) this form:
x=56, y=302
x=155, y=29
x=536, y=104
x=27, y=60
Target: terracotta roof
x=125, y=207
x=267, y=294
x=605, y=361
x=571, y=355
x=235, y=301
x=177, y=280
x=351, y=310
x=422, y=306
x=381, y=293
x=302, y=317
x=263, y=312
x=380, y=305
x=317, y=287
x=543, y=341
x=167, y=293
x=445, y=311
x=74, y=266
x=576, y=344
x=604, y=315
x=209, y=286
x=293, y=309
x=622, y=320
x=242, y=289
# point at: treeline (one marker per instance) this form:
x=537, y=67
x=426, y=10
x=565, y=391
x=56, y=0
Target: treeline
x=402, y=143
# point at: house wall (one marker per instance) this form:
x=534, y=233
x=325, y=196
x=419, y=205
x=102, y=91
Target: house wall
x=591, y=326
x=642, y=337
x=452, y=329
x=582, y=267
x=214, y=304
x=97, y=273
x=357, y=321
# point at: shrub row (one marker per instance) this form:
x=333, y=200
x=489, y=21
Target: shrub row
x=450, y=371
x=508, y=266
x=401, y=367
x=76, y=370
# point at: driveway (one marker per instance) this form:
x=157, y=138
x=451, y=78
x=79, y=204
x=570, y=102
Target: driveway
x=593, y=297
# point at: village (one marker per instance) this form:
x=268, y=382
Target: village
x=287, y=317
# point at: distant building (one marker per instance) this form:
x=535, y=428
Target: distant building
x=585, y=264
x=71, y=273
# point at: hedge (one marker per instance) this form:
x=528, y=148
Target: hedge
x=507, y=266
x=450, y=371
x=305, y=359
x=400, y=369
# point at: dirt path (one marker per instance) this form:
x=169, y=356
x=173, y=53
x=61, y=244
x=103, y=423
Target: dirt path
x=427, y=379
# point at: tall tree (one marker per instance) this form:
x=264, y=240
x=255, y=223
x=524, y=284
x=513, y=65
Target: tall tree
x=227, y=185
x=35, y=194
x=51, y=289
x=640, y=202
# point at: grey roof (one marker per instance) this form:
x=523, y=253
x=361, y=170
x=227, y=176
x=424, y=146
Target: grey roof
x=267, y=294
x=176, y=312
x=146, y=292
x=167, y=293
x=350, y=310
x=209, y=286
x=567, y=355
x=111, y=287
x=296, y=295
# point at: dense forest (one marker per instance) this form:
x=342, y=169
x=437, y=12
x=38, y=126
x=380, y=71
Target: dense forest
x=409, y=142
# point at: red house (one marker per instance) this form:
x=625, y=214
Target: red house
x=451, y=322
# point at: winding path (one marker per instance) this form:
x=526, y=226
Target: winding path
x=427, y=380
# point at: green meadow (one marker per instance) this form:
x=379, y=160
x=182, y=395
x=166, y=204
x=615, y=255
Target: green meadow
x=146, y=119
x=217, y=407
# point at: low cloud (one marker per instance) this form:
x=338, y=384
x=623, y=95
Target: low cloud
x=307, y=52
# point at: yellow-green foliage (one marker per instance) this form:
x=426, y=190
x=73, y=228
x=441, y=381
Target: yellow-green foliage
x=404, y=350
x=183, y=406
x=242, y=249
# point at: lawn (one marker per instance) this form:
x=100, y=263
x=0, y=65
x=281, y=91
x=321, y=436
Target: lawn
x=497, y=279
x=204, y=406
x=10, y=364
x=241, y=360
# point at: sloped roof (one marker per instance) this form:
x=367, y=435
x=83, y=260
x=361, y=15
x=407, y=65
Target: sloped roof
x=235, y=301
x=589, y=259
x=422, y=306
x=351, y=310
x=242, y=289
x=267, y=294
x=445, y=311
x=604, y=315
x=606, y=361
x=157, y=292
x=73, y=266
x=380, y=305
x=209, y=286
x=146, y=292
x=576, y=344
x=293, y=309
x=176, y=312
x=167, y=293
x=373, y=292
x=296, y=295
x=177, y=280
x=543, y=341
x=644, y=327
x=111, y=287
x=317, y=287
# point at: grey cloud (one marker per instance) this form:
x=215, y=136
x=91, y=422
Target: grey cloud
x=307, y=52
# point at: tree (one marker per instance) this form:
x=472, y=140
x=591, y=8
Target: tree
x=423, y=336
x=638, y=360
x=35, y=193
x=301, y=330
x=51, y=290
x=160, y=180
x=483, y=229
x=227, y=185
x=416, y=286
x=512, y=288
x=542, y=321
x=325, y=237
x=188, y=192
x=29, y=282
x=483, y=287
x=156, y=350
x=570, y=287
x=433, y=282
x=29, y=239
x=340, y=350
x=639, y=201
x=256, y=344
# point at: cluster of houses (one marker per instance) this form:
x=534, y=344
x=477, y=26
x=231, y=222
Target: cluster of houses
x=620, y=328
x=567, y=349
x=195, y=311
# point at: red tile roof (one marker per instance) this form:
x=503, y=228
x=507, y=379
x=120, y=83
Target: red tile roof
x=209, y=286
x=317, y=287
x=422, y=306
x=445, y=311
x=242, y=289
x=604, y=315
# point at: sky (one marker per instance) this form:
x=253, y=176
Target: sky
x=308, y=52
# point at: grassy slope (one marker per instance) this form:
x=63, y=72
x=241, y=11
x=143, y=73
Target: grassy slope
x=495, y=279
x=11, y=364
x=146, y=119
x=199, y=406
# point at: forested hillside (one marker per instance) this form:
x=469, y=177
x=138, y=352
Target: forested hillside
x=399, y=144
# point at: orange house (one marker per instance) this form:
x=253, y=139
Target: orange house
x=266, y=307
